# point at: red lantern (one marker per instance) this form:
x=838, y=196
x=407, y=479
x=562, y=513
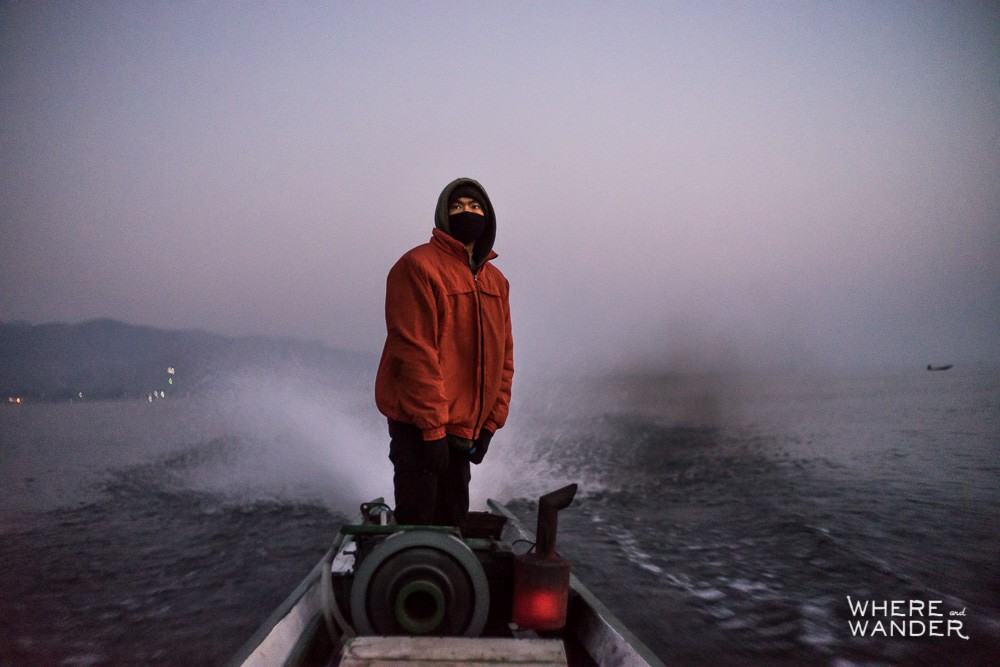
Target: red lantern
x=541, y=591
x=541, y=579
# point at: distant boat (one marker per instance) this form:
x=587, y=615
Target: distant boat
x=932, y=367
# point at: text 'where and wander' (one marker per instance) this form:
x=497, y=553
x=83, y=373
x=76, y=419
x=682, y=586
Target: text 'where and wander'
x=904, y=618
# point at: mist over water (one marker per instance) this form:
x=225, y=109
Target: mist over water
x=312, y=441
x=258, y=438
x=255, y=435
x=303, y=441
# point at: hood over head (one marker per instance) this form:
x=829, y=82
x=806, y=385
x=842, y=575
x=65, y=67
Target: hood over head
x=466, y=187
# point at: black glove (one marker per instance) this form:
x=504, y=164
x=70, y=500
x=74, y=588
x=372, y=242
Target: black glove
x=480, y=446
x=435, y=455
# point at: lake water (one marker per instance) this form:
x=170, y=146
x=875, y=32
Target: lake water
x=728, y=520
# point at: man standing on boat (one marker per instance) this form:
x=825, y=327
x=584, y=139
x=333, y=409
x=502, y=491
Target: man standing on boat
x=444, y=379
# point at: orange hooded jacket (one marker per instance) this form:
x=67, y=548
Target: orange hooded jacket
x=448, y=361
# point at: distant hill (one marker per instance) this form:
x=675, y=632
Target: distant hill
x=110, y=359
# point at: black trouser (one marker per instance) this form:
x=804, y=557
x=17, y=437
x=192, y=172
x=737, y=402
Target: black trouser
x=424, y=497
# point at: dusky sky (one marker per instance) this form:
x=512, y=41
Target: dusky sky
x=676, y=183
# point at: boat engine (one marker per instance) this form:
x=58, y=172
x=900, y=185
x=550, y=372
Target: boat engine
x=420, y=582
x=466, y=581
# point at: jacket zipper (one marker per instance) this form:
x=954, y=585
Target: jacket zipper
x=482, y=356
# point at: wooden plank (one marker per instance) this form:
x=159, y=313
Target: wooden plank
x=436, y=651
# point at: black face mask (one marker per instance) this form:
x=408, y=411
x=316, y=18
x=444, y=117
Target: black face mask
x=466, y=226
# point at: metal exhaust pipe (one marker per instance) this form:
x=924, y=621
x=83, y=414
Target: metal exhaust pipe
x=548, y=518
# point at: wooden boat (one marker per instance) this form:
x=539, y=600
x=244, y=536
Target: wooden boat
x=387, y=594
x=932, y=367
